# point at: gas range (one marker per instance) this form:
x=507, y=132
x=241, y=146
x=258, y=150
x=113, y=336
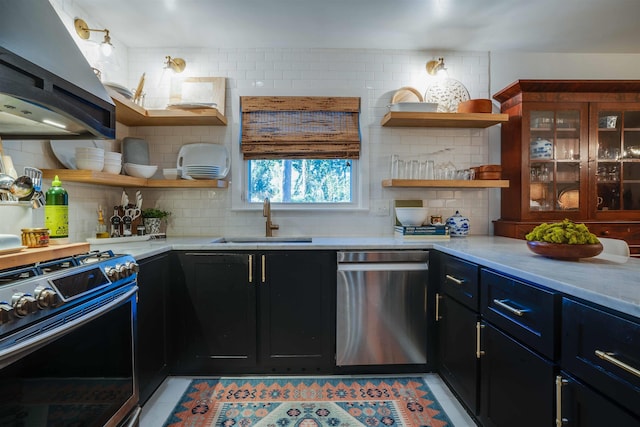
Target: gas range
x=33, y=292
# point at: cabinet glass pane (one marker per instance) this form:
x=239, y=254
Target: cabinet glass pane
x=618, y=165
x=631, y=186
x=554, y=160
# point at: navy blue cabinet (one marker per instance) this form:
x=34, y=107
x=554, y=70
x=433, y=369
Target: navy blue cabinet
x=255, y=312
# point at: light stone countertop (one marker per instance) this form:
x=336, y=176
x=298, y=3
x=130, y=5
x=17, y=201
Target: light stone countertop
x=601, y=280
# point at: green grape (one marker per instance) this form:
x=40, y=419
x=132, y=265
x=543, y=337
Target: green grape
x=562, y=232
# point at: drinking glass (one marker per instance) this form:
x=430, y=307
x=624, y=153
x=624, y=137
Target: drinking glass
x=394, y=166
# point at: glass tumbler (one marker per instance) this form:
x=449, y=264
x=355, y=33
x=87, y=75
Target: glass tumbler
x=394, y=166
x=415, y=169
x=430, y=170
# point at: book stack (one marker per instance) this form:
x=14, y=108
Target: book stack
x=422, y=232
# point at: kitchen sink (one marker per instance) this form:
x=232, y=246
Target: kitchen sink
x=263, y=240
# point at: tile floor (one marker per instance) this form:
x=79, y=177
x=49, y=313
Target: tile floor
x=159, y=406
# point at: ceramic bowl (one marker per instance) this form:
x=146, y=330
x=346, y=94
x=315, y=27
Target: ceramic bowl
x=112, y=167
x=140, y=171
x=90, y=164
x=411, y=216
x=170, y=173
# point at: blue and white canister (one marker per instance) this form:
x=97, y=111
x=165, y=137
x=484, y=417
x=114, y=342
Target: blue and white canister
x=458, y=225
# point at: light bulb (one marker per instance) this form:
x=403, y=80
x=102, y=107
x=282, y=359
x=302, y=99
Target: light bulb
x=106, y=48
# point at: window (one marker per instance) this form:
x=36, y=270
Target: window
x=300, y=180
x=300, y=150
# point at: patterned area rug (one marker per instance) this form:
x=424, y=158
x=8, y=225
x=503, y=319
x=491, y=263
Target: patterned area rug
x=308, y=402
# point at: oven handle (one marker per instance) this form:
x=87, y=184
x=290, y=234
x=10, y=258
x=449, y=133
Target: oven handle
x=17, y=351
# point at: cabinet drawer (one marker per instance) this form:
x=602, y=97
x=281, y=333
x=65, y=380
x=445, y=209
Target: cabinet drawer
x=459, y=279
x=603, y=350
x=526, y=312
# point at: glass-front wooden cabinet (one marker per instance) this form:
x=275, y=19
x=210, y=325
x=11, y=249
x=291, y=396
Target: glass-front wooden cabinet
x=571, y=149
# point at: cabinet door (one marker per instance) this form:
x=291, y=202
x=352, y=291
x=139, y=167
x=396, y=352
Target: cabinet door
x=457, y=339
x=554, y=172
x=216, y=313
x=616, y=149
x=152, y=362
x=517, y=385
x=296, y=290
x=583, y=407
x=603, y=351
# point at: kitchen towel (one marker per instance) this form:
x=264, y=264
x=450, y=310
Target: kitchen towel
x=330, y=401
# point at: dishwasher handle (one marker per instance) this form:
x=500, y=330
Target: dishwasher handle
x=372, y=257
x=400, y=266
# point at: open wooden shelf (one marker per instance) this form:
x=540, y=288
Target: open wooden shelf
x=446, y=183
x=131, y=114
x=113, y=180
x=442, y=120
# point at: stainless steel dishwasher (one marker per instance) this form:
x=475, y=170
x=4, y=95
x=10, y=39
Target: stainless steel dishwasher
x=381, y=308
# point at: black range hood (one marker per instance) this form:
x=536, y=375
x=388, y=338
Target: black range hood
x=47, y=88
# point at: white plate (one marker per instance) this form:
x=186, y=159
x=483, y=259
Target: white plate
x=7, y=251
x=65, y=150
x=119, y=88
x=423, y=107
x=204, y=154
x=192, y=106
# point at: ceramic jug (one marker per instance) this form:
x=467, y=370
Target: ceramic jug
x=458, y=225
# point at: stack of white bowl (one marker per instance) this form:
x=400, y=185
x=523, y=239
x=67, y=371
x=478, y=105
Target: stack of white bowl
x=90, y=158
x=112, y=162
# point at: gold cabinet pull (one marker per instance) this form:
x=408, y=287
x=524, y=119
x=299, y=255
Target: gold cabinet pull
x=438, y=298
x=250, y=268
x=454, y=279
x=479, y=351
x=619, y=363
x=559, y=383
x=516, y=311
x=264, y=268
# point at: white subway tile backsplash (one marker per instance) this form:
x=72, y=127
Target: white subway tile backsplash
x=208, y=212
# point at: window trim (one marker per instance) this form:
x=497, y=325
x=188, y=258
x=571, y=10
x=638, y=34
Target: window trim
x=360, y=171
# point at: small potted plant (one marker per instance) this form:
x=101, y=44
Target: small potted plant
x=153, y=219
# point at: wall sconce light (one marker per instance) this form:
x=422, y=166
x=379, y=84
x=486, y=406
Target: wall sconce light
x=83, y=31
x=177, y=65
x=436, y=68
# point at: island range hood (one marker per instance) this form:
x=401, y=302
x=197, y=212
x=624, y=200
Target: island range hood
x=48, y=90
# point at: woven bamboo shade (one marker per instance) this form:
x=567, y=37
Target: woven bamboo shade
x=300, y=127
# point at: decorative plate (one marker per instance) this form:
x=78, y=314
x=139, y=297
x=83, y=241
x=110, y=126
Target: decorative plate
x=65, y=150
x=406, y=94
x=564, y=251
x=569, y=199
x=448, y=93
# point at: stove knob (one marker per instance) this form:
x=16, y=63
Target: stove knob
x=132, y=267
x=122, y=270
x=6, y=313
x=46, y=297
x=24, y=304
x=112, y=273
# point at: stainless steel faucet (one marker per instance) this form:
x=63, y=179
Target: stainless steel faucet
x=266, y=212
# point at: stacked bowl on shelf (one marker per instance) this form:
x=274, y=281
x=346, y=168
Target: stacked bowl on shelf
x=112, y=162
x=90, y=158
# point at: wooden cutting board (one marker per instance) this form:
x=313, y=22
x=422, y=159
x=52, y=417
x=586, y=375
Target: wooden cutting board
x=33, y=255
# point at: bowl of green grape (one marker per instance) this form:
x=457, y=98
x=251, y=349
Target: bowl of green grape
x=565, y=240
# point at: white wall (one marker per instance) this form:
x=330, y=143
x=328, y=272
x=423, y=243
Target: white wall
x=379, y=73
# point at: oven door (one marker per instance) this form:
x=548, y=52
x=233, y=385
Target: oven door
x=76, y=368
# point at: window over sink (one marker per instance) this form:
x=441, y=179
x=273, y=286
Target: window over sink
x=302, y=152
